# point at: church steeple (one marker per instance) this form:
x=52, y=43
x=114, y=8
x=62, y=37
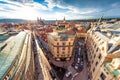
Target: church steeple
x=64, y=20
x=56, y=22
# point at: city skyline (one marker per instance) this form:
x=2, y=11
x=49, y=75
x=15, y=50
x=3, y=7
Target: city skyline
x=60, y=49
x=57, y=9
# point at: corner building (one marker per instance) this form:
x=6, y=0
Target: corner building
x=61, y=45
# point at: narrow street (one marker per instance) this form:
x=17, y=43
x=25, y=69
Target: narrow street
x=84, y=73
x=81, y=73
x=38, y=74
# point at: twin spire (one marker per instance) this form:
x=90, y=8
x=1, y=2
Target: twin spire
x=64, y=20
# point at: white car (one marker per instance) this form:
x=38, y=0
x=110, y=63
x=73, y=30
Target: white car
x=68, y=74
x=78, y=60
x=76, y=66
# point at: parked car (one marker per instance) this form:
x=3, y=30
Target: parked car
x=76, y=66
x=78, y=61
x=81, y=63
x=68, y=74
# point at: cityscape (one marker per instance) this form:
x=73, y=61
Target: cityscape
x=59, y=40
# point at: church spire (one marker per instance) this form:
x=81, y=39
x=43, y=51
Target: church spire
x=56, y=22
x=64, y=20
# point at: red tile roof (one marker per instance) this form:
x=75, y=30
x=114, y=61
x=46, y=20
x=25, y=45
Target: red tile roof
x=82, y=31
x=71, y=32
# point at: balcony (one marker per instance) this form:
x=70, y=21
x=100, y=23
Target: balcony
x=109, y=67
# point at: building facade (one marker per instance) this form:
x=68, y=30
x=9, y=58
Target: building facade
x=19, y=62
x=103, y=49
x=61, y=45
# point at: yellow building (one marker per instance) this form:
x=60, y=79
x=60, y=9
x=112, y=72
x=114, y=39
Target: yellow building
x=103, y=50
x=61, y=44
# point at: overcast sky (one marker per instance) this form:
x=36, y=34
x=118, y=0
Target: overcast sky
x=57, y=9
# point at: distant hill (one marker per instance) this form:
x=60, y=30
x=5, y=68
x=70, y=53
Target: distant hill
x=13, y=21
x=82, y=20
x=53, y=21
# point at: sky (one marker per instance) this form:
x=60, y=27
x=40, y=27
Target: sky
x=58, y=9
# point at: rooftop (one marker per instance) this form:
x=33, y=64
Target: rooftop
x=9, y=53
x=3, y=37
x=115, y=72
x=112, y=36
x=69, y=34
x=114, y=26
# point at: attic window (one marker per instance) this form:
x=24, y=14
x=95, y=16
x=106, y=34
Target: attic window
x=71, y=39
x=102, y=48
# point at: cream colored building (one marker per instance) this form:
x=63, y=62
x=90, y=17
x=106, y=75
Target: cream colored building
x=61, y=45
x=103, y=50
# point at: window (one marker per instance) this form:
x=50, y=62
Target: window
x=99, y=56
x=13, y=68
x=95, y=45
x=102, y=48
x=94, y=55
x=107, y=73
x=96, y=63
x=57, y=48
x=97, y=50
x=99, y=39
x=69, y=43
x=101, y=42
x=102, y=76
x=7, y=77
x=63, y=43
x=55, y=39
x=57, y=43
x=63, y=48
x=92, y=61
x=93, y=69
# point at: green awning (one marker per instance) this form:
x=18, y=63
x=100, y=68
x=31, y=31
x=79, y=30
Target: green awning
x=116, y=72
